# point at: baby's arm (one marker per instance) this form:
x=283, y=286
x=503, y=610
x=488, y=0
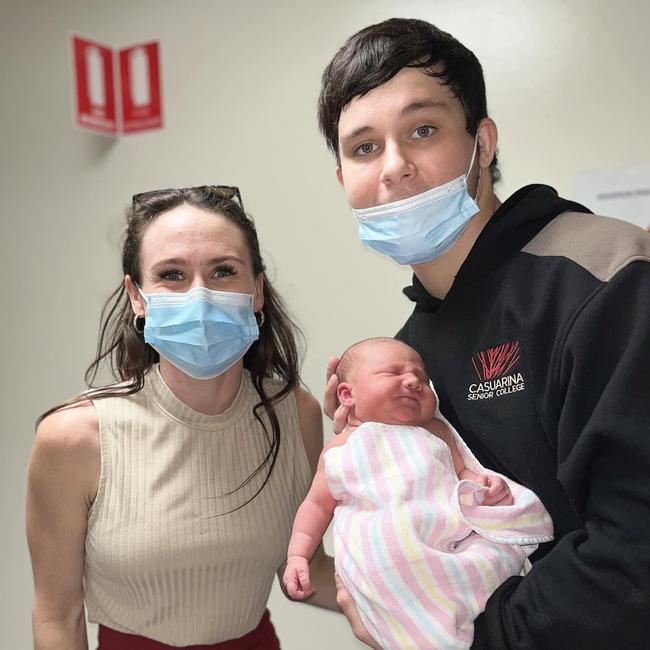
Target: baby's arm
x=498, y=493
x=311, y=522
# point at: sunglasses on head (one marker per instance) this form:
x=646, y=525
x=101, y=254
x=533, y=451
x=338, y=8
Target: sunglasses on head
x=229, y=192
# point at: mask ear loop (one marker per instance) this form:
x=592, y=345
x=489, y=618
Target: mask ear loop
x=471, y=164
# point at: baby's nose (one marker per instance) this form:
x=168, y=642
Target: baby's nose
x=413, y=382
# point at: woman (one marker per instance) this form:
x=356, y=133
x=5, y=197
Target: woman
x=165, y=502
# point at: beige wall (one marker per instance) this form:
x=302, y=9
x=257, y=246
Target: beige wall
x=568, y=86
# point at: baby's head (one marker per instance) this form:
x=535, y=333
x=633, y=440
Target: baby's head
x=384, y=380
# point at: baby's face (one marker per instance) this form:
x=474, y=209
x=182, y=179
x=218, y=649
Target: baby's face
x=389, y=384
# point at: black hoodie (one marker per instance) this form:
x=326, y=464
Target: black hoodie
x=540, y=354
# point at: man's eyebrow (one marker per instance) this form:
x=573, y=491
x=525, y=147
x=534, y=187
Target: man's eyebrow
x=362, y=130
x=414, y=107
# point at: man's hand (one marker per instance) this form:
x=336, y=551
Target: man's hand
x=349, y=609
x=296, y=578
x=331, y=406
x=498, y=493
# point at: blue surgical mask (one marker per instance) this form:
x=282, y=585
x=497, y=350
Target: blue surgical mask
x=421, y=228
x=201, y=332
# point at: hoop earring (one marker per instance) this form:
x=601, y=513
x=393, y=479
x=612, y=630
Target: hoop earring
x=261, y=321
x=135, y=324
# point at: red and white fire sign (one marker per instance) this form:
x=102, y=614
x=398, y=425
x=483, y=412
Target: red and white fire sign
x=102, y=75
x=95, y=101
x=140, y=86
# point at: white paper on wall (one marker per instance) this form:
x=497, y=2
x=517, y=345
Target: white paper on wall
x=621, y=193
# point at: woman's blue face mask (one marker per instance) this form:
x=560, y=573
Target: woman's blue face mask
x=201, y=332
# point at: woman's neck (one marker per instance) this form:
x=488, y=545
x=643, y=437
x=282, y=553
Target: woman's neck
x=207, y=396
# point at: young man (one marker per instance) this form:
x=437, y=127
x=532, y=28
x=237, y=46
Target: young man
x=533, y=320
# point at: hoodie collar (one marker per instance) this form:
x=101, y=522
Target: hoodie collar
x=511, y=227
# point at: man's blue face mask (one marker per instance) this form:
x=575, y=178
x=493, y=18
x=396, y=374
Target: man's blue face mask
x=201, y=332
x=420, y=228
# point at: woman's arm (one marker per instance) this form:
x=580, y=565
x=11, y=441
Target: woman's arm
x=62, y=484
x=311, y=522
x=321, y=565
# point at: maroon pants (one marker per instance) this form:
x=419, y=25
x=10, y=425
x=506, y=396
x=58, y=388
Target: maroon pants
x=261, y=638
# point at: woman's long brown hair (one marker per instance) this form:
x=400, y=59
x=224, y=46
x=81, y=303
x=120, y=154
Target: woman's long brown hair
x=274, y=354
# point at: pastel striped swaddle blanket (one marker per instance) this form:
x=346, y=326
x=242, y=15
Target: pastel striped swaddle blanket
x=412, y=544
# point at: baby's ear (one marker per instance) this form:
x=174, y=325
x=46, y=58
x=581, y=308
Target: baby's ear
x=344, y=393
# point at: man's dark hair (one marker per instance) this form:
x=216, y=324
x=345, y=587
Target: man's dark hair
x=374, y=55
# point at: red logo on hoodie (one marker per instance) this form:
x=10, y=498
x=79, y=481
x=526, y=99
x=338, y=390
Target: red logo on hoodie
x=497, y=361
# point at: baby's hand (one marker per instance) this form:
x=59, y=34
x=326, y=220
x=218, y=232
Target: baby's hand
x=296, y=578
x=498, y=493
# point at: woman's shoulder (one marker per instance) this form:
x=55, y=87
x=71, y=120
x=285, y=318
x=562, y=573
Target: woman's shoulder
x=67, y=444
x=79, y=415
x=73, y=428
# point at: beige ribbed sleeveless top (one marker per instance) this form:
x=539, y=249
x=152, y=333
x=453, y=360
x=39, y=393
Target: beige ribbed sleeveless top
x=160, y=561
